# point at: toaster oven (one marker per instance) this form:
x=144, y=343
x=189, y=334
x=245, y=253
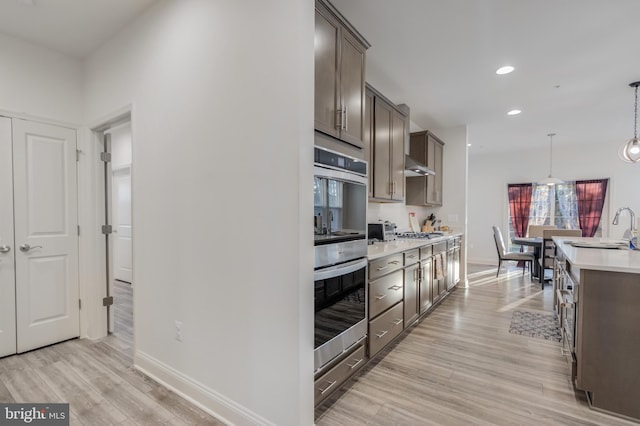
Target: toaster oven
x=382, y=231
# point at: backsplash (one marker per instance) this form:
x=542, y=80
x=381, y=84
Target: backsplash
x=398, y=214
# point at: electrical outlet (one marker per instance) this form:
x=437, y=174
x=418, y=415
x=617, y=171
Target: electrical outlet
x=178, y=330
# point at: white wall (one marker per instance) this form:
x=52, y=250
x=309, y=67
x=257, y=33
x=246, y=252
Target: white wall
x=38, y=82
x=121, y=148
x=222, y=96
x=489, y=174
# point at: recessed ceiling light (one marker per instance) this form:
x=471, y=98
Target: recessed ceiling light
x=505, y=70
x=514, y=112
x=468, y=144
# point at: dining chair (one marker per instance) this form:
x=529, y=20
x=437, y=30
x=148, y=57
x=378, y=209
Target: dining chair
x=536, y=230
x=548, y=248
x=503, y=254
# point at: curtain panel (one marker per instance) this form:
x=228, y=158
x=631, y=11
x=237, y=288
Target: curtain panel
x=590, y=195
x=519, y=205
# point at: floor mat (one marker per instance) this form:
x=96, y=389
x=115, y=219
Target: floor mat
x=536, y=324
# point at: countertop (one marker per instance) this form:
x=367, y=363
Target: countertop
x=615, y=260
x=382, y=249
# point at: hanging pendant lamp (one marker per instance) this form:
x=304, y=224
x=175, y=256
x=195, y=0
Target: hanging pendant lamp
x=550, y=180
x=630, y=151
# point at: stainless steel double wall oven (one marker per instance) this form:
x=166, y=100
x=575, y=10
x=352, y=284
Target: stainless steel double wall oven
x=340, y=240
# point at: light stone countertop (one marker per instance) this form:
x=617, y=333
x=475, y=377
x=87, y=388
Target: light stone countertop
x=615, y=260
x=378, y=250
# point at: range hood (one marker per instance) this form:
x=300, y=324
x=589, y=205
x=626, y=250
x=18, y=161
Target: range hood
x=414, y=168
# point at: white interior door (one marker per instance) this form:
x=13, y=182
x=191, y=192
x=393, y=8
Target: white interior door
x=46, y=235
x=121, y=216
x=7, y=249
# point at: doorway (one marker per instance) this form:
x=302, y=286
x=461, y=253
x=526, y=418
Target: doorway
x=118, y=143
x=39, y=282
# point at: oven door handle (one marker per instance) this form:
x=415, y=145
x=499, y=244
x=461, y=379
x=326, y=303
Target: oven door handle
x=342, y=269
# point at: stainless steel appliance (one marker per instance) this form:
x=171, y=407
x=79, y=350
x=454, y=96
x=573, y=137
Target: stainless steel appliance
x=382, y=231
x=340, y=239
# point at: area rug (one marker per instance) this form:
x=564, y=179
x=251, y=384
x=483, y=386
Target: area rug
x=535, y=324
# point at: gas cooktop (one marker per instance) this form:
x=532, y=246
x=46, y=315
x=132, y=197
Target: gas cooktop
x=420, y=235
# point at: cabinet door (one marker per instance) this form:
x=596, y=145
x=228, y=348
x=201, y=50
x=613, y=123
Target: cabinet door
x=411, y=294
x=327, y=32
x=438, y=153
x=368, y=137
x=351, y=89
x=397, y=155
x=381, y=149
x=435, y=151
x=426, y=282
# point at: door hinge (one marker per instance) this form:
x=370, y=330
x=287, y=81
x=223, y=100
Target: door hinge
x=78, y=154
x=107, y=229
x=79, y=303
x=105, y=157
x=78, y=230
x=107, y=301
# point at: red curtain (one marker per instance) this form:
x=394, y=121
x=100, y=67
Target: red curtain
x=519, y=203
x=590, y=195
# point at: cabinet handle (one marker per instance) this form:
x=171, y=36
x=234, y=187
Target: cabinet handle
x=381, y=334
x=381, y=268
x=346, y=119
x=397, y=322
x=352, y=366
x=393, y=262
x=411, y=257
x=382, y=296
x=5, y=249
x=323, y=391
x=395, y=287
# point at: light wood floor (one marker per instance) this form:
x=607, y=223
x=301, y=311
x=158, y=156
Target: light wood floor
x=97, y=379
x=461, y=366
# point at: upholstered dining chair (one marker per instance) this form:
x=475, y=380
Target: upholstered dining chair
x=537, y=230
x=503, y=254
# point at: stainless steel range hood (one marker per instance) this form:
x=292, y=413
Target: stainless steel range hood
x=414, y=168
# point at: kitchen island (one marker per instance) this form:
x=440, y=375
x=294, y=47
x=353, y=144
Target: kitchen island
x=602, y=328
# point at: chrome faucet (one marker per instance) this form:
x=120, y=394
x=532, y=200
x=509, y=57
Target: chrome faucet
x=632, y=216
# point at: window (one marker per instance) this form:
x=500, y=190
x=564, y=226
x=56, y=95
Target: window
x=556, y=205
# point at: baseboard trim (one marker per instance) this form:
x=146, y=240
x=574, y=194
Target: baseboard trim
x=223, y=408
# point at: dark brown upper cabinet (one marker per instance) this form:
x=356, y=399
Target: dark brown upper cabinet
x=428, y=149
x=339, y=76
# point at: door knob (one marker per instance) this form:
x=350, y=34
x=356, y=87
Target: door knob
x=27, y=247
x=5, y=249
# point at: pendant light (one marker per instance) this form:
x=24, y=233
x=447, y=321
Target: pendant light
x=630, y=151
x=550, y=180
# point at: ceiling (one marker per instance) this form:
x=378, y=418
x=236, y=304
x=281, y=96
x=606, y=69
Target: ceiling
x=573, y=59
x=73, y=27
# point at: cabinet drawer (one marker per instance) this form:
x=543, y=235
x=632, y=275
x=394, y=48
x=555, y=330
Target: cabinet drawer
x=325, y=385
x=411, y=257
x=425, y=252
x=440, y=247
x=383, y=266
x=383, y=329
x=385, y=292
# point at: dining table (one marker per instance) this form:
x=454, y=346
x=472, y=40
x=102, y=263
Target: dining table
x=536, y=243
